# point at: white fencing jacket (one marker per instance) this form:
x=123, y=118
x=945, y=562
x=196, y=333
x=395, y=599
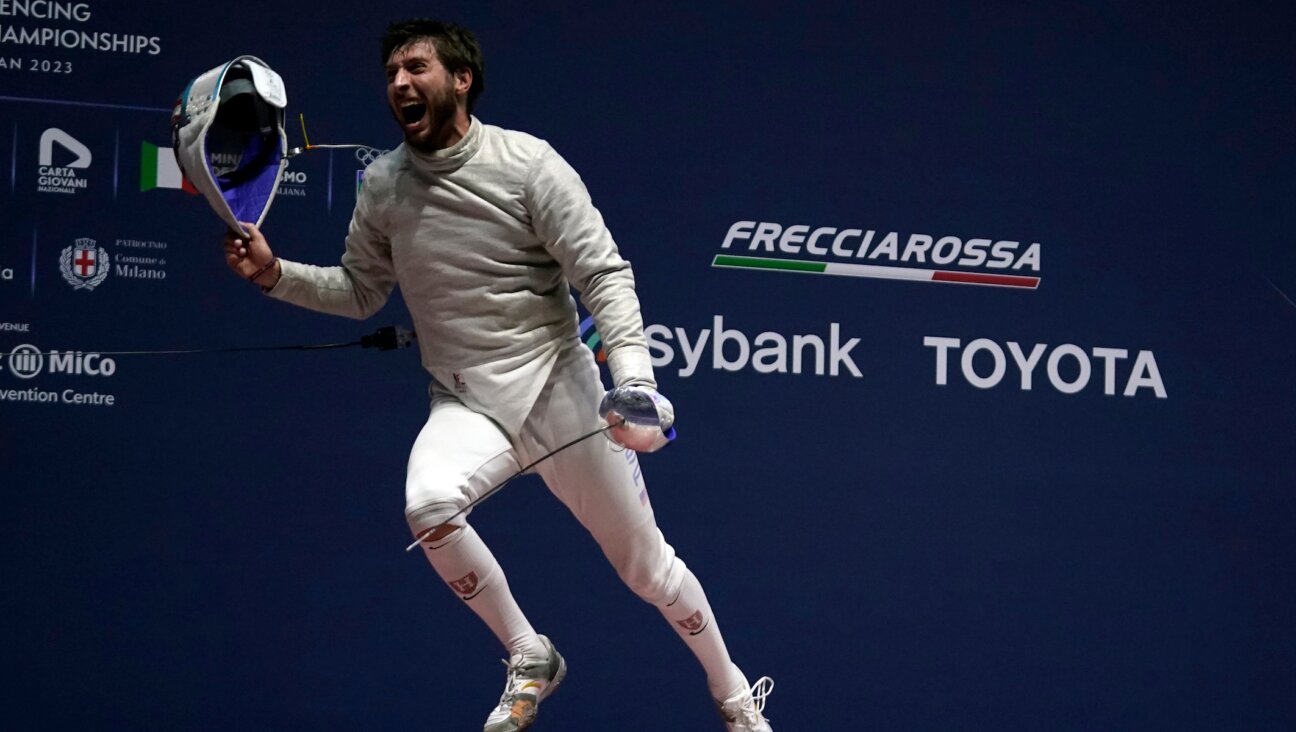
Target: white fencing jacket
x=485, y=239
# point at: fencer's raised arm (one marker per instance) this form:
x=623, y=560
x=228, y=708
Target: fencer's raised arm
x=359, y=286
x=573, y=232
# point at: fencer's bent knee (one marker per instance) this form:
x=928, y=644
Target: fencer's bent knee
x=655, y=584
x=437, y=489
x=458, y=455
x=435, y=515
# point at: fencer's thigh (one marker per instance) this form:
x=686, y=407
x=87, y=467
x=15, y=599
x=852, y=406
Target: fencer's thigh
x=458, y=455
x=600, y=482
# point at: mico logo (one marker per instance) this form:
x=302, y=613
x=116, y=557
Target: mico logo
x=27, y=361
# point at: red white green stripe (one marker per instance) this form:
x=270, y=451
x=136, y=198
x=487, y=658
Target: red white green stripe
x=876, y=272
x=159, y=169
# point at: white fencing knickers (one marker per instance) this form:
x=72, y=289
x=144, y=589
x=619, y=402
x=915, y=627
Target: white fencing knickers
x=460, y=454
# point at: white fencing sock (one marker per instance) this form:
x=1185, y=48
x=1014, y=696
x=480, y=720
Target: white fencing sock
x=463, y=560
x=690, y=615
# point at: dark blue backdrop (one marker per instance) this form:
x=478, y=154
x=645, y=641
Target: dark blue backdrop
x=220, y=548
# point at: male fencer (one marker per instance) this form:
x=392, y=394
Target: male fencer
x=486, y=230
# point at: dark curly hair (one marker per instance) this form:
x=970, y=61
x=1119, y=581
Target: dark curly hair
x=455, y=45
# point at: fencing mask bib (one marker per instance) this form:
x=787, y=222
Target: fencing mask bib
x=228, y=135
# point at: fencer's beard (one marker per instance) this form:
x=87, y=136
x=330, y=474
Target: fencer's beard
x=442, y=110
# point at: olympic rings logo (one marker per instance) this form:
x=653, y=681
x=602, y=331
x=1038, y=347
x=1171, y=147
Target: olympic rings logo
x=367, y=155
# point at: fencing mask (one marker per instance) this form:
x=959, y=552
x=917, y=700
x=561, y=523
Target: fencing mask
x=228, y=135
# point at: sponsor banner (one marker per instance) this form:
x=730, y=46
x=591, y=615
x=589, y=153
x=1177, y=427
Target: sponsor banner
x=869, y=253
x=723, y=348
x=140, y=259
x=1068, y=368
x=62, y=163
x=293, y=183
x=24, y=363
x=85, y=264
x=982, y=363
x=71, y=397
x=730, y=349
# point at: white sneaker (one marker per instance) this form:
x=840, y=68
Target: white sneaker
x=742, y=711
x=528, y=683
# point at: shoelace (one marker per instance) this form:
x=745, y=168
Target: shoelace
x=751, y=711
x=506, y=698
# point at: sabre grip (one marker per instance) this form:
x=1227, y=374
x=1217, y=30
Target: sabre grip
x=646, y=418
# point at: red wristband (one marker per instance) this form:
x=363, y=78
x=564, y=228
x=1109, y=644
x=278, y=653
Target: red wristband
x=253, y=277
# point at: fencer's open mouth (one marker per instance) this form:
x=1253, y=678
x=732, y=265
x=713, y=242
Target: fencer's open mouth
x=412, y=113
